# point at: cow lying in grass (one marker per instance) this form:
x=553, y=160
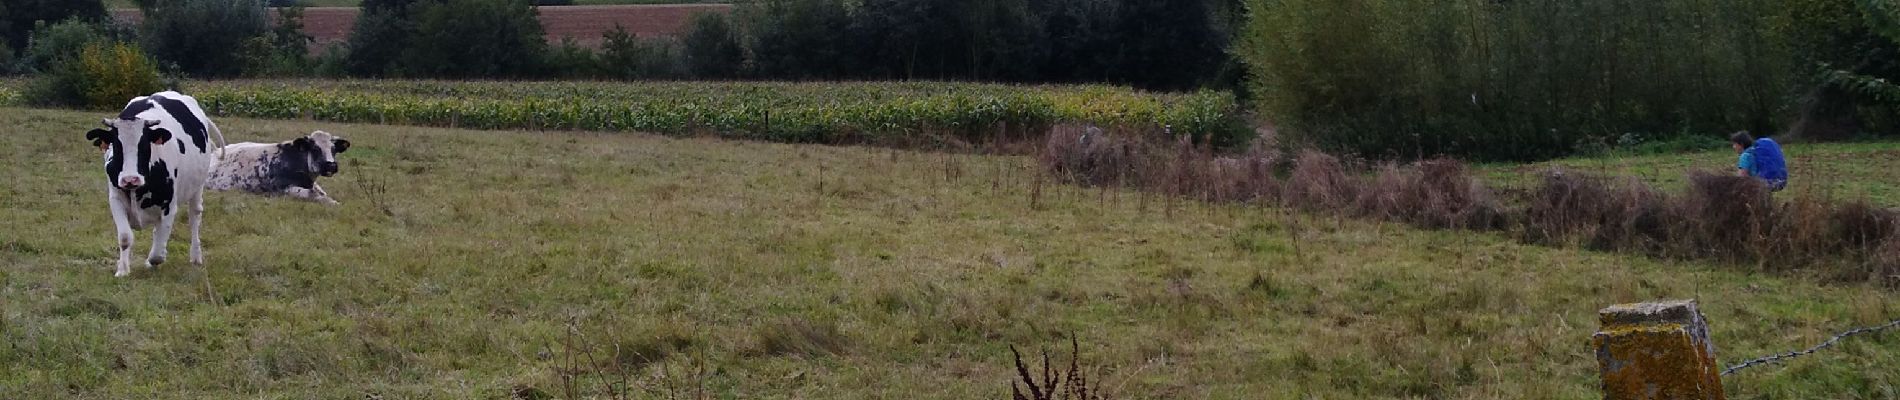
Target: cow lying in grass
x=288, y=168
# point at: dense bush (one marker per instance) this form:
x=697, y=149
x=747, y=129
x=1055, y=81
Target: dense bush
x=1855, y=46
x=202, y=37
x=712, y=48
x=1155, y=44
x=53, y=42
x=1512, y=80
x=19, y=18
x=625, y=56
x=381, y=34
x=102, y=75
x=8, y=66
x=474, y=38
x=569, y=60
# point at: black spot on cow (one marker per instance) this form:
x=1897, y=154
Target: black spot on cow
x=180, y=112
x=133, y=110
x=291, y=168
x=109, y=140
x=157, y=190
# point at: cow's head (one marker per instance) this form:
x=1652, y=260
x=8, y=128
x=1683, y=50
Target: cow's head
x=321, y=149
x=128, y=144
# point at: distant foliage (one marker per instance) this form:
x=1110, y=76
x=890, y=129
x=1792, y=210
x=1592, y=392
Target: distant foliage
x=101, y=75
x=474, y=39
x=1513, y=80
x=625, y=56
x=569, y=60
x=19, y=18
x=712, y=48
x=54, y=43
x=281, y=51
x=202, y=37
x=1153, y=44
x=381, y=34
x=8, y=65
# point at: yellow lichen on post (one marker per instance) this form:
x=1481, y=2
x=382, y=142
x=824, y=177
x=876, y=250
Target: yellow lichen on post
x=1658, y=350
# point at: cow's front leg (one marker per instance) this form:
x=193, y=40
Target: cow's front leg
x=161, y=234
x=196, y=214
x=322, y=196
x=123, y=227
x=312, y=194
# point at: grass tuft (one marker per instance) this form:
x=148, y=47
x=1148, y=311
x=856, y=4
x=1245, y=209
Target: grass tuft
x=801, y=337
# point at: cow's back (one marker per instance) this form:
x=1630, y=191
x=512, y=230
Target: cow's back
x=246, y=166
x=189, y=156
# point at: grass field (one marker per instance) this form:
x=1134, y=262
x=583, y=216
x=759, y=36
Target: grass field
x=1846, y=171
x=459, y=260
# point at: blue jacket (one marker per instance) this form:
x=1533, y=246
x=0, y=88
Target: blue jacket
x=1769, y=164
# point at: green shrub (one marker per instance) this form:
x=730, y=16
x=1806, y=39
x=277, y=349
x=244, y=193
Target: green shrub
x=381, y=34
x=475, y=38
x=19, y=19
x=200, y=36
x=51, y=43
x=625, y=56
x=712, y=48
x=569, y=60
x=1516, y=80
x=8, y=66
x=102, y=75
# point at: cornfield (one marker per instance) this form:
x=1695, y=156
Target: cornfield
x=857, y=112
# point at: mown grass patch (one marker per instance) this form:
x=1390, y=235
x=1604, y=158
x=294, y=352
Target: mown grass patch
x=485, y=265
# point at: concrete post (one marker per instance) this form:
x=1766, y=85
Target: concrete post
x=1657, y=350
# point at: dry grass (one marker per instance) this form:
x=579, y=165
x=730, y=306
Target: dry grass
x=1718, y=217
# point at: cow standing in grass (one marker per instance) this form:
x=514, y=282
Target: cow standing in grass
x=288, y=168
x=158, y=155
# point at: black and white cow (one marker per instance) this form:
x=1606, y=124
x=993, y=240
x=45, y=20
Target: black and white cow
x=158, y=155
x=287, y=168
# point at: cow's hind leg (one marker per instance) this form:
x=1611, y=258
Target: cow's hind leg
x=161, y=234
x=196, y=214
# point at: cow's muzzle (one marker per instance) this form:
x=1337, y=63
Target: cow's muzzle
x=327, y=169
x=131, y=182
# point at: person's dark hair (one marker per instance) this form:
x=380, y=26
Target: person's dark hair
x=1742, y=138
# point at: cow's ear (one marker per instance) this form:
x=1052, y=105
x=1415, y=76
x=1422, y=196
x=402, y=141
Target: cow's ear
x=303, y=143
x=159, y=135
x=99, y=137
x=339, y=145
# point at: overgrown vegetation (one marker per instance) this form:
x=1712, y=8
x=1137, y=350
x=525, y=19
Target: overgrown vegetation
x=203, y=38
x=18, y=19
x=922, y=114
x=1722, y=217
x=102, y=73
x=1532, y=80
